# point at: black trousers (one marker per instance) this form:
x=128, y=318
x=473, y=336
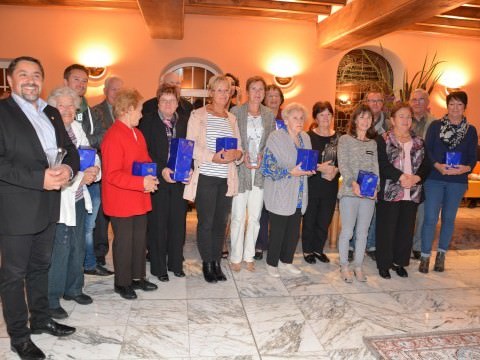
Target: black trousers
x=394, y=232
x=166, y=229
x=25, y=263
x=316, y=221
x=213, y=210
x=262, y=239
x=100, y=233
x=284, y=232
x=129, y=248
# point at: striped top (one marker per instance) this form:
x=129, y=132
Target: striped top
x=217, y=127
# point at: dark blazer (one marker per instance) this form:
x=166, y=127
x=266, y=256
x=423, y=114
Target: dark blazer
x=155, y=134
x=102, y=112
x=183, y=110
x=25, y=207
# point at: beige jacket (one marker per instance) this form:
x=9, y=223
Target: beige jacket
x=197, y=131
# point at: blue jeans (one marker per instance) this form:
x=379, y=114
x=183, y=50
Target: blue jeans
x=90, y=259
x=445, y=196
x=417, y=238
x=65, y=276
x=371, y=242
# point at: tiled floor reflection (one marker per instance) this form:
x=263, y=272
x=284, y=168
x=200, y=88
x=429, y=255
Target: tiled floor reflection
x=252, y=316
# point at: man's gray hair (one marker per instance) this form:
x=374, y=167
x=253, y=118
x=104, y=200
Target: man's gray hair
x=109, y=79
x=424, y=93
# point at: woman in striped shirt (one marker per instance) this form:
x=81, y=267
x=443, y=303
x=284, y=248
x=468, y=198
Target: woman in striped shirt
x=214, y=180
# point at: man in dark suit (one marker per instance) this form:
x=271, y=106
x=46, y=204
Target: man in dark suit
x=29, y=204
x=104, y=113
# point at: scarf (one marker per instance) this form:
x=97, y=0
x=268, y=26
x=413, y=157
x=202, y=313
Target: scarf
x=452, y=135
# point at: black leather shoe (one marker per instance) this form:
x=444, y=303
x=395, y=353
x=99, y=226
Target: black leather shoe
x=53, y=328
x=180, y=273
x=416, y=255
x=126, y=292
x=82, y=299
x=144, y=285
x=384, y=274
x=99, y=270
x=218, y=271
x=58, y=313
x=101, y=260
x=258, y=255
x=309, y=258
x=163, y=278
x=27, y=350
x=401, y=271
x=322, y=257
x=209, y=272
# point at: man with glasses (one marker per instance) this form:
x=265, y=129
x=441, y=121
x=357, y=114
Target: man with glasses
x=421, y=120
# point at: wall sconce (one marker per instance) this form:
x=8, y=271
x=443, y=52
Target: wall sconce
x=449, y=90
x=284, y=81
x=96, y=73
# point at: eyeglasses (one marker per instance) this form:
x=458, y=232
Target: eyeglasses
x=421, y=100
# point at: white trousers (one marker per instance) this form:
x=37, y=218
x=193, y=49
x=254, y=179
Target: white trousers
x=243, y=243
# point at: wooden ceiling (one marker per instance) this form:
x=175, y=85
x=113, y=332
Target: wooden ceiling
x=343, y=25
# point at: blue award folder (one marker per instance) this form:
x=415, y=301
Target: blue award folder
x=308, y=158
x=180, y=160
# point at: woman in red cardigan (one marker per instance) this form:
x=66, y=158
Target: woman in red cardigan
x=125, y=197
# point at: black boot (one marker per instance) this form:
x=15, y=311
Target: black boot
x=218, y=271
x=209, y=272
x=439, y=262
x=424, y=264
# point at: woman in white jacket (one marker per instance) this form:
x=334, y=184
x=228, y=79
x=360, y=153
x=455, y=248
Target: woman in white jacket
x=65, y=276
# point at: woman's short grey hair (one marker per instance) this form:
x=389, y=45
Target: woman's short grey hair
x=63, y=91
x=290, y=108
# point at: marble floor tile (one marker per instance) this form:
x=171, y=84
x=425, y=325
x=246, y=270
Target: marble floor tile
x=90, y=342
x=285, y=337
x=374, y=303
x=335, y=307
x=155, y=342
x=308, y=285
x=211, y=311
x=198, y=288
x=259, y=284
x=351, y=354
x=100, y=313
x=158, y=312
x=272, y=309
x=221, y=340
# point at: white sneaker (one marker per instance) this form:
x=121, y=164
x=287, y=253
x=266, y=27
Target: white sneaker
x=292, y=269
x=273, y=271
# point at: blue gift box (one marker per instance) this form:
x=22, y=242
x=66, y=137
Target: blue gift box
x=368, y=183
x=308, y=158
x=280, y=124
x=226, y=143
x=453, y=158
x=180, y=160
x=144, y=168
x=87, y=157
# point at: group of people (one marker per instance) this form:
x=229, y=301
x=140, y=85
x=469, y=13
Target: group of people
x=55, y=213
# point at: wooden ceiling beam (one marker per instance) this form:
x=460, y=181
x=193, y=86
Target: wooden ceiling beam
x=164, y=18
x=451, y=23
x=463, y=12
x=364, y=20
x=444, y=30
x=220, y=11
x=264, y=5
x=84, y=4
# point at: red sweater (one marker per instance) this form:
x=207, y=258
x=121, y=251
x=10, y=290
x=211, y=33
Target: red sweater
x=122, y=192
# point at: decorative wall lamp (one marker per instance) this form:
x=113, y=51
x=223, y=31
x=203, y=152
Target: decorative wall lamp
x=96, y=73
x=283, y=81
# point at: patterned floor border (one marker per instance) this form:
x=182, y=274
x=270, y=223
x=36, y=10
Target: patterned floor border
x=442, y=345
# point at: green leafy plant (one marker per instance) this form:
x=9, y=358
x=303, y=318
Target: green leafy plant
x=426, y=78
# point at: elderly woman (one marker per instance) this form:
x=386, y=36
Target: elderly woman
x=446, y=184
x=322, y=187
x=403, y=167
x=166, y=221
x=255, y=123
x=65, y=276
x=235, y=91
x=356, y=151
x=126, y=197
x=214, y=179
x=285, y=188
